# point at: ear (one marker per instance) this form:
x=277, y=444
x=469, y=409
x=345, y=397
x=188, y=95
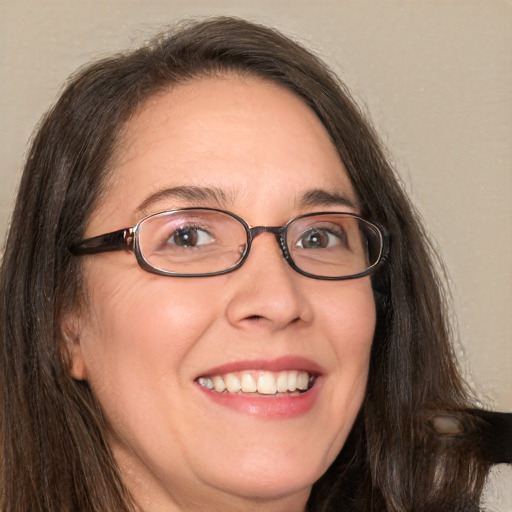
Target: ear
x=70, y=326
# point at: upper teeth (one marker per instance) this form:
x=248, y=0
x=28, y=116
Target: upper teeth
x=263, y=382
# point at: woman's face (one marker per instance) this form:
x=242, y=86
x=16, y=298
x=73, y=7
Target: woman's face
x=144, y=340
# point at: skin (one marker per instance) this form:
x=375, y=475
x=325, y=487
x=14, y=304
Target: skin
x=144, y=339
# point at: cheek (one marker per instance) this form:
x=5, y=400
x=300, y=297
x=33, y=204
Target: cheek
x=354, y=329
x=349, y=319
x=140, y=326
x=349, y=314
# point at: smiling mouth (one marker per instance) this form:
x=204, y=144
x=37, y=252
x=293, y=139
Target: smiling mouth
x=260, y=382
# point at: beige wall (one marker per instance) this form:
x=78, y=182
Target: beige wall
x=436, y=77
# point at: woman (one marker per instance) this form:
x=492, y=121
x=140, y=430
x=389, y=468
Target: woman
x=216, y=295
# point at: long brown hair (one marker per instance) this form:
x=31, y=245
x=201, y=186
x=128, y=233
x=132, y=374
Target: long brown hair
x=54, y=454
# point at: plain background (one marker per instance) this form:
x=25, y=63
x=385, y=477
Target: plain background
x=435, y=77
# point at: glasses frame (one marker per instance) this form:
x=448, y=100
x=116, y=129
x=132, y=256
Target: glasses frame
x=128, y=238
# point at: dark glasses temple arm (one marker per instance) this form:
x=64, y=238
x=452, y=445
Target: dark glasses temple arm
x=114, y=241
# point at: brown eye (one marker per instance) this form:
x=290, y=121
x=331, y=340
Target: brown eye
x=314, y=239
x=190, y=237
x=320, y=238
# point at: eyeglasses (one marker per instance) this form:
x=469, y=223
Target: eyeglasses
x=194, y=242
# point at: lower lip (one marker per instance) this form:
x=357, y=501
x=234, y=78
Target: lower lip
x=268, y=407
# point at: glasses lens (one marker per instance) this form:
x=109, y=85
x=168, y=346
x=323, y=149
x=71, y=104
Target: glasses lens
x=334, y=245
x=197, y=241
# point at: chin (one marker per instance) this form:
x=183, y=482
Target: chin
x=270, y=480
x=270, y=487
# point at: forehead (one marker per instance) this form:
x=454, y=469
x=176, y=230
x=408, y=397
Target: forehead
x=252, y=139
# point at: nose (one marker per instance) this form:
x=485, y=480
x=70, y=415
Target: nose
x=266, y=291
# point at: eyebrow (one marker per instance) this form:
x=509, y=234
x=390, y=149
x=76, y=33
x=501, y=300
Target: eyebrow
x=320, y=197
x=194, y=194
x=189, y=194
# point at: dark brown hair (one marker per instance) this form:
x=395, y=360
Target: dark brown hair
x=54, y=454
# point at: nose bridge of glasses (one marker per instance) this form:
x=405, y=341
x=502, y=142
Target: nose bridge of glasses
x=278, y=232
x=266, y=229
